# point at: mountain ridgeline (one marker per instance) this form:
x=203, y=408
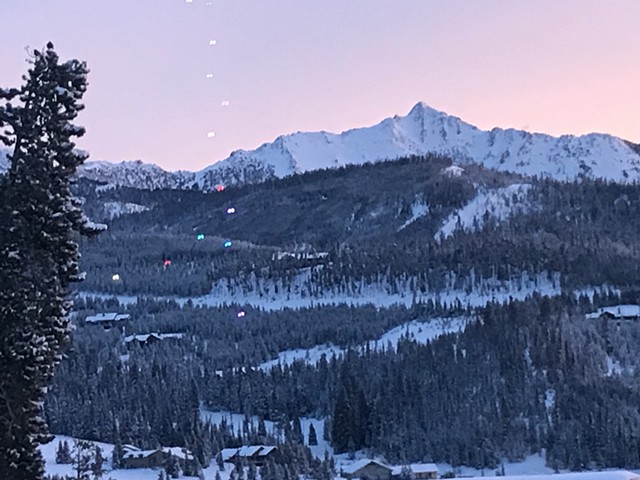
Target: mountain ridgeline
x=421, y=132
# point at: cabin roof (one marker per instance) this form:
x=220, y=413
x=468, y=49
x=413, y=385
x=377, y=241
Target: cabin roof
x=355, y=466
x=417, y=468
x=107, y=317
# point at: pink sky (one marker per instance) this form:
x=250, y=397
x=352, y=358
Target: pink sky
x=550, y=66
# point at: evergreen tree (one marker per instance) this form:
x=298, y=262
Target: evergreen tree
x=262, y=431
x=97, y=466
x=63, y=453
x=192, y=467
x=83, y=453
x=313, y=438
x=171, y=467
x=220, y=461
x=405, y=473
x=38, y=256
x=117, y=454
x=296, y=432
x=252, y=472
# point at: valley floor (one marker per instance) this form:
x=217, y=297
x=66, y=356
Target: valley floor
x=533, y=468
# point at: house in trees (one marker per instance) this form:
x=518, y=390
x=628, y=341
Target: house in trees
x=255, y=454
x=150, y=338
x=617, y=312
x=136, y=458
x=417, y=471
x=107, y=320
x=367, y=469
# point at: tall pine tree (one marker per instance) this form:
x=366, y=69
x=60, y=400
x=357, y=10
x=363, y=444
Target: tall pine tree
x=38, y=255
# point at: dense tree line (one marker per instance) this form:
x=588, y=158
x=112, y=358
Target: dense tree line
x=586, y=231
x=104, y=382
x=526, y=376
x=517, y=380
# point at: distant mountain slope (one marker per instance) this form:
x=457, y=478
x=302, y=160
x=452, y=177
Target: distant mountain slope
x=423, y=130
x=136, y=174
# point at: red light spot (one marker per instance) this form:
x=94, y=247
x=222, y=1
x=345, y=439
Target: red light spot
x=167, y=263
x=219, y=188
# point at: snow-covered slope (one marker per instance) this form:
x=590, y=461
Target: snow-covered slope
x=419, y=331
x=116, y=209
x=497, y=204
x=135, y=174
x=426, y=130
x=423, y=130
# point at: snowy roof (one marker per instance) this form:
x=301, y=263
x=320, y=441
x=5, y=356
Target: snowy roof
x=355, y=466
x=177, y=452
x=138, y=453
x=617, y=311
x=227, y=453
x=266, y=450
x=417, y=468
x=249, y=450
x=107, y=317
x=146, y=336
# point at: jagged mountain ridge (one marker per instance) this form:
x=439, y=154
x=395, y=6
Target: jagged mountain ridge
x=426, y=130
x=136, y=174
x=423, y=130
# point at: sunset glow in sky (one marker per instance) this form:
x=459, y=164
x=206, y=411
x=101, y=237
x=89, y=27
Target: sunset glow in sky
x=183, y=83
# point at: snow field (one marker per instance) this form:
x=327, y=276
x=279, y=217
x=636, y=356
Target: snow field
x=532, y=468
x=420, y=332
x=499, y=204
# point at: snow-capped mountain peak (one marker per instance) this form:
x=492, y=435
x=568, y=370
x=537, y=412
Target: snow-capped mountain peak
x=422, y=131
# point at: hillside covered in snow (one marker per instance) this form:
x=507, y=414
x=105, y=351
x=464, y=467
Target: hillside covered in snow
x=422, y=131
x=426, y=130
